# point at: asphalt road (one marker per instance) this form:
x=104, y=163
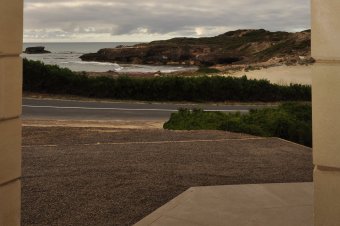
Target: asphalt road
x=52, y=109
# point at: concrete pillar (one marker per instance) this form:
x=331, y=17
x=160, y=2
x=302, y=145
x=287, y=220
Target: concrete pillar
x=11, y=27
x=326, y=110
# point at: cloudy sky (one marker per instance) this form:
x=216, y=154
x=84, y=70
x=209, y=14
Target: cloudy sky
x=146, y=20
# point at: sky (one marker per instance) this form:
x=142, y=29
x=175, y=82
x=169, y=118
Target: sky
x=147, y=20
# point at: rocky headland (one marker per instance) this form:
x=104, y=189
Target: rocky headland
x=240, y=47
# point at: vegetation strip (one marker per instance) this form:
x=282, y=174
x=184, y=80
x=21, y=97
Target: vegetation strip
x=290, y=121
x=42, y=78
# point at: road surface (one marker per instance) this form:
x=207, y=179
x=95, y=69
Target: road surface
x=52, y=109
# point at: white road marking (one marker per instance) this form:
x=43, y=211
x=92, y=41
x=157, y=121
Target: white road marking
x=92, y=108
x=124, y=109
x=151, y=142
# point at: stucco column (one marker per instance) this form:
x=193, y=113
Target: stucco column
x=11, y=26
x=326, y=110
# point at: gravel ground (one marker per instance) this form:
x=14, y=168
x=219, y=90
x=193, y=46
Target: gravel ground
x=102, y=176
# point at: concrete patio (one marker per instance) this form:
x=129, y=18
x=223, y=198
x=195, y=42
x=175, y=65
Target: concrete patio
x=238, y=205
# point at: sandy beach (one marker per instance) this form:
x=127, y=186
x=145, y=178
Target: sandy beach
x=282, y=75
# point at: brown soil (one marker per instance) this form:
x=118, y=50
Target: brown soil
x=117, y=124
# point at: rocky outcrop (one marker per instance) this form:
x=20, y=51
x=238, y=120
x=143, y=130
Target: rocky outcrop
x=36, y=50
x=235, y=47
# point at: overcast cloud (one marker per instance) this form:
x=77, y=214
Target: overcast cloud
x=146, y=20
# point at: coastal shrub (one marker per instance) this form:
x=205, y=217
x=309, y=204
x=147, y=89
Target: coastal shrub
x=208, y=70
x=290, y=121
x=39, y=77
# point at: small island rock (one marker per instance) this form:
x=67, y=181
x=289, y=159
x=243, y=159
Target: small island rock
x=36, y=50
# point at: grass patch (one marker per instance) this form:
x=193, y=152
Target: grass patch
x=290, y=121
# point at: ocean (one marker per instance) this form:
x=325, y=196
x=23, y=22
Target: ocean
x=67, y=55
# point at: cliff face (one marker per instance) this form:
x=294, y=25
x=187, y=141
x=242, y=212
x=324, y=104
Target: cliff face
x=235, y=47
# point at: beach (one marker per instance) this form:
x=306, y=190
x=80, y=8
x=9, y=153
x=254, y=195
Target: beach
x=282, y=75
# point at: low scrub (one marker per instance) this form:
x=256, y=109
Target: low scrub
x=290, y=121
x=39, y=77
x=207, y=70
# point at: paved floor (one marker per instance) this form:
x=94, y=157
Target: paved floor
x=107, y=176
x=238, y=205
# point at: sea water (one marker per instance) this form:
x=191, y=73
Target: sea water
x=67, y=55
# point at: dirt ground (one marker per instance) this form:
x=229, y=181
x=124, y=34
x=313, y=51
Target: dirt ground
x=117, y=124
x=106, y=176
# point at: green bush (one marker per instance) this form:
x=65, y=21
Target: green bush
x=291, y=121
x=39, y=77
x=207, y=70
